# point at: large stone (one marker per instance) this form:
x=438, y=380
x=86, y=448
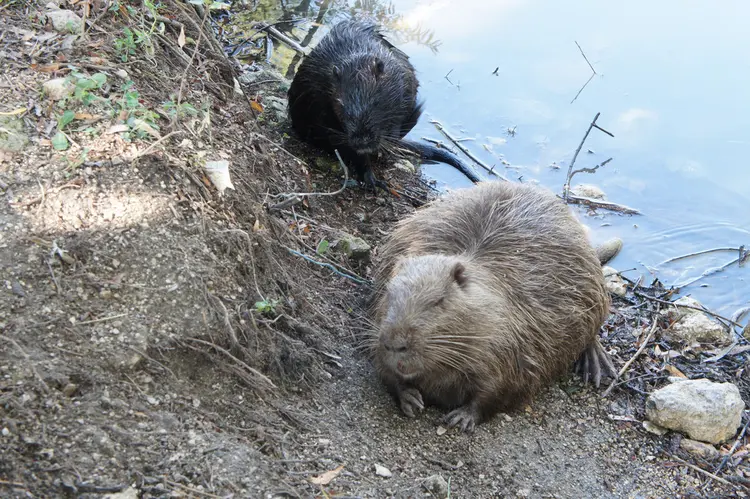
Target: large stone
x=588, y=191
x=13, y=137
x=65, y=21
x=704, y=410
x=354, y=247
x=437, y=486
x=58, y=88
x=615, y=284
x=700, y=328
x=676, y=312
x=608, y=250
x=699, y=449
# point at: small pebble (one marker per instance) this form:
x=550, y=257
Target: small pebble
x=70, y=389
x=383, y=471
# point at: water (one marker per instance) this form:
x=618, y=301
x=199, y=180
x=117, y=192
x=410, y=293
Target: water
x=671, y=85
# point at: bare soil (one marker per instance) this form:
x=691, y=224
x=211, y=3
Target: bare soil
x=133, y=357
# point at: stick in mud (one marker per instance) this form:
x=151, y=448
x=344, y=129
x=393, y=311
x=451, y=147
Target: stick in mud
x=566, y=187
x=632, y=359
x=490, y=170
x=293, y=198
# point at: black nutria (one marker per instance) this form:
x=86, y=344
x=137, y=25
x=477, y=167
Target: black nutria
x=357, y=93
x=484, y=297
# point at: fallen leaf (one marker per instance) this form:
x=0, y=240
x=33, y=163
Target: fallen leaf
x=117, y=129
x=181, y=38
x=322, y=247
x=256, y=106
x=60, y=141
x=675, y=372
x=218, y=172
x=326, y=477
x=47, y=68
x=142, y=125
x=15, y=112
x=87, y=116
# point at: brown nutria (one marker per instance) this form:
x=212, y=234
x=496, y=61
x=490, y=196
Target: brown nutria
x=357, y=93
x=482, y=298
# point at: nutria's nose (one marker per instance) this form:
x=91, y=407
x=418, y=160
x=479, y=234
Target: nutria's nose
x=395, y=344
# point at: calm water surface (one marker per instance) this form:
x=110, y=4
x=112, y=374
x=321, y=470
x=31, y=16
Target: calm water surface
x=672, y=85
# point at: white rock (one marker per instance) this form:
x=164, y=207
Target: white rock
x=704, y=410
x=58, y=88
x=699, y=448
x=588, y=191
x=676, y=313
x=129, y=493
x=383, y=471
x=615, y=284
x=65, y=21
x=701, y=328
x=654, y=428
x=437, y=486
x=608, y=250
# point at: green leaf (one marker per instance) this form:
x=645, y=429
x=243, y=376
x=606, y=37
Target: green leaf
x=60, y=141
x=67, y=117
x=100, y=79
x=322, y=247
x=131, y=99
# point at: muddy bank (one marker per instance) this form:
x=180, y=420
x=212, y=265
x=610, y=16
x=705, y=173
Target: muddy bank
x=161, y=338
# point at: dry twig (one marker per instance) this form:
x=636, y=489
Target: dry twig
x=296, y=197
x=566, y=187
x=255, y=372
x=704, y=472
x=45, y=386
x=632, y=359
x=490, y=169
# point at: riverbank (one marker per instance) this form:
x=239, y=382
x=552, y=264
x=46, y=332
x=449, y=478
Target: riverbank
x=165, y=335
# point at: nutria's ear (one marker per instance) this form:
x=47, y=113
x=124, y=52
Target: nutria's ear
x=458, y=273
x=336, y=73
x=378, y=67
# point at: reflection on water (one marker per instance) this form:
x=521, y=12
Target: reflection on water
x=671, y=84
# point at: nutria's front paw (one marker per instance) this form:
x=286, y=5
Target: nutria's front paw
x=466, y=418
x=410, y=399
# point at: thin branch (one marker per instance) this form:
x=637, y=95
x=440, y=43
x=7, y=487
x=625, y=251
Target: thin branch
x=666, y=302
x=706, y=273
x=103, y=319
x=707, y=473
x=582, y=88
x=238, y=361
x=280, y=36
x=587, y=59
x=589, y=170
x=697, y=253
x=328, y=266
x=606, y=205
x=566, y=187
x=456, y=141
x=632, y=359
x=734, y=447
x=28, y=360
x=296, y=197
x=192, y=58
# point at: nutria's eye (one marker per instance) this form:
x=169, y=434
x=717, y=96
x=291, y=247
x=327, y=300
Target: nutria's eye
x=439, y=302
x=336, y=73
x=401, y=348
x=378, y=67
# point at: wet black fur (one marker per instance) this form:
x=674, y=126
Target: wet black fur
x=357, y=93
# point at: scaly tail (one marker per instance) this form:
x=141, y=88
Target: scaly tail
x=431, y=153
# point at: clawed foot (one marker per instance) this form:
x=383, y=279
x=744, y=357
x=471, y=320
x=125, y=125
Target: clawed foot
x=372, y=183
x=595, y=363
x=465, y=418
x=410, y=400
